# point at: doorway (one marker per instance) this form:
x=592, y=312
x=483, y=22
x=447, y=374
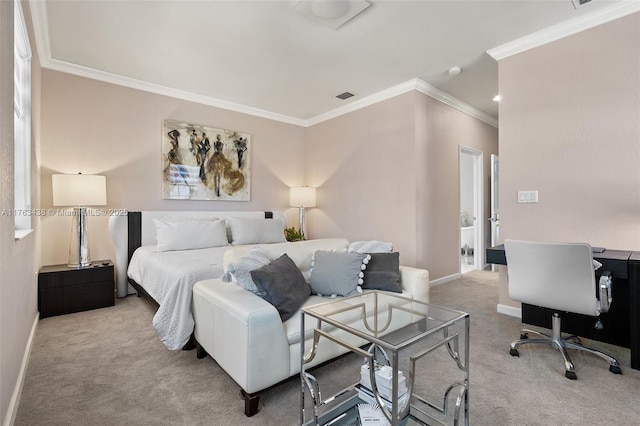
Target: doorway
x=495, y=214
x=471, y=202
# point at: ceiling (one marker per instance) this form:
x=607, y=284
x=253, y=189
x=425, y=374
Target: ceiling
x=263, y=57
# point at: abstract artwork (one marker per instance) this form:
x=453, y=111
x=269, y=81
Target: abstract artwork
x=205, y=163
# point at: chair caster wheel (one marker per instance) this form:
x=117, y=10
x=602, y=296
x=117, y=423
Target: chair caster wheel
x=524, y=336
x=615, y=369
x=571, y=375
x=514, y=352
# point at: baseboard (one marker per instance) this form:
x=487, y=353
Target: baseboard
x=443, y=280
x=509, y=310
x=12, y=410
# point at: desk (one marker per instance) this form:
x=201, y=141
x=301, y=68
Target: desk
x=621, y=323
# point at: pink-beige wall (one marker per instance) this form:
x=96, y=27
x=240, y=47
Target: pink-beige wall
x=99, y=128
x=570, y=128
x=19, y=260
x=362, y=164
x=443, y=130
x=390, y=172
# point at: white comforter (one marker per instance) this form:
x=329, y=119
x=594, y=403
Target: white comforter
x=169, y=278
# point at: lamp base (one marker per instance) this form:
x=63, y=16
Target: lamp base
x=79, y=243
x=303, y=231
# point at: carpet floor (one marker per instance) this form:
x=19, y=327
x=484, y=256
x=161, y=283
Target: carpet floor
x=108, y=367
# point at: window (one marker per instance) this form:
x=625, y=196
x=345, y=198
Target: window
x=22, y=122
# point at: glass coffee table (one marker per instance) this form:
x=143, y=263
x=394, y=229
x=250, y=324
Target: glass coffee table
x=382, y=327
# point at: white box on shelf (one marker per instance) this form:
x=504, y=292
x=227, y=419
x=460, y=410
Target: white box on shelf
x=371, y=414
x=384, y=376
x=367, y=396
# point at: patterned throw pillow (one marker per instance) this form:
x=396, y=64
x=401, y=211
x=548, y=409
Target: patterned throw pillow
x=383, y=272
x=337, y=273
x=240, y=272
x=372, y=246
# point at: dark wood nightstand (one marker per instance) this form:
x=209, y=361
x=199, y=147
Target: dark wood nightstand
x=64, y=290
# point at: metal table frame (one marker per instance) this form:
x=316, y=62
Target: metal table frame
x=374, y=333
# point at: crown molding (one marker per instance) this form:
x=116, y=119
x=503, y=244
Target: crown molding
x=146, y=86
x=564, y=29
x=364, y=102
x=39, y=13
x=414, y=84
x=40, y=28
x=453, y=102
x=41, y=32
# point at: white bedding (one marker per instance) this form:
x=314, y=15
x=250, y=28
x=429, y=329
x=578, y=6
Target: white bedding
x=169, y=278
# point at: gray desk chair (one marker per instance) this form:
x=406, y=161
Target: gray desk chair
x=558, y=276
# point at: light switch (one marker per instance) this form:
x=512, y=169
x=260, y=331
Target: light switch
x=527, y=196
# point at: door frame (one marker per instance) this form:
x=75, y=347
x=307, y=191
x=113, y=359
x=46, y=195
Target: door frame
x=478, y=205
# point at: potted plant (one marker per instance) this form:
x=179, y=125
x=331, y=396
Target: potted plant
x=292, y=234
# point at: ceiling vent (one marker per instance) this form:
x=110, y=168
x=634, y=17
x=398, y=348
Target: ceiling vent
x=580, y=3
x=345, y=95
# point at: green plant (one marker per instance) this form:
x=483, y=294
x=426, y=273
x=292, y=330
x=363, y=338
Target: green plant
x=292, y=234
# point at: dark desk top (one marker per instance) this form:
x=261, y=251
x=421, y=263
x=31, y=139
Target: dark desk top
x=496, y=255
x=614, y=260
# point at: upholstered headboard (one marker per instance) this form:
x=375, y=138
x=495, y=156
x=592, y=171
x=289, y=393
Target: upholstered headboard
x=134, y=229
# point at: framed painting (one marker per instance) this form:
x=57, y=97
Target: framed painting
x=205, y=163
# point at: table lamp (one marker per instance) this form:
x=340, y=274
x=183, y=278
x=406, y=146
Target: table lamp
x=301, y=197
x=79, y=191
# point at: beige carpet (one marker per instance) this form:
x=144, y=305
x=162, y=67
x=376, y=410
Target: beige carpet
x=108, y=367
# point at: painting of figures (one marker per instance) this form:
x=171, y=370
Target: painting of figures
x=205, y=163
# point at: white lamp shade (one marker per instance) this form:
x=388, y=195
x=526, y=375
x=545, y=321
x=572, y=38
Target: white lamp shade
x=303, y=196
x=79, y=190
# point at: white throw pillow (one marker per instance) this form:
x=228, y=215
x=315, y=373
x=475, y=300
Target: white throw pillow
x=189, y=235
x=240, y=272
x=372, y=246
x=256, y=231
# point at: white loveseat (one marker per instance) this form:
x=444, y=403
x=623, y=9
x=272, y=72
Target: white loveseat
x=245, y=334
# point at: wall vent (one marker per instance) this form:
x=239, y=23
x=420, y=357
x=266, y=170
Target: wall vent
x=579, y=3
x=345, y=95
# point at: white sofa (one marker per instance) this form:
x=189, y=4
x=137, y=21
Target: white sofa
x=245, y=334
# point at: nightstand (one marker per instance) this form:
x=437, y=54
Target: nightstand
x=64, y=290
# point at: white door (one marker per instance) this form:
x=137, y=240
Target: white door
x=495, y=216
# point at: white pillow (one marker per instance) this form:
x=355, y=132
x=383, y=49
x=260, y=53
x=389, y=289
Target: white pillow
x=256, y=231
x=372, y=246
x=240, y=272
x=188, y=235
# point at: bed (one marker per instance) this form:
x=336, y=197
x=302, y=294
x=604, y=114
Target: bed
x=160, y=255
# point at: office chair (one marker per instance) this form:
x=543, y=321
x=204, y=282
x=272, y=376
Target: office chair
x=558, y=276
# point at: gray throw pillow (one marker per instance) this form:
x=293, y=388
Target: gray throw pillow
x=337, y=273
x=240, y=271
x=383, y=272
x=282, y=285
